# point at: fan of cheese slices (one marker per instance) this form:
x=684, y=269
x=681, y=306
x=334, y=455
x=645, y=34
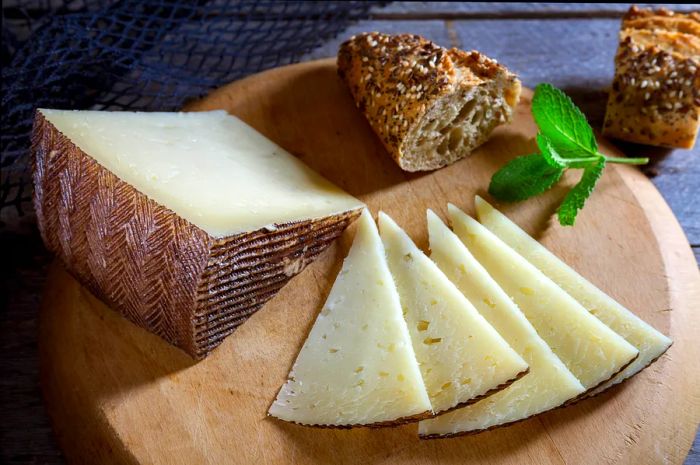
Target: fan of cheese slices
x=491, y=329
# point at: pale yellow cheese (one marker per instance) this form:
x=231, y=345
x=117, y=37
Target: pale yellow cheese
x=548, y=384
x=460, y=355
x=589, y=349
x=210, y=168
x=650, y=342
x=357, y=367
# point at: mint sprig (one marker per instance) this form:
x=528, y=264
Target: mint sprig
x=576, y=197
x=565, y=141
x=526, y=176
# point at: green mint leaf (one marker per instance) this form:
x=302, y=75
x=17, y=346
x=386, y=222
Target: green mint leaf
x=553, y=158
x=549, y=153
x=565, y=140
x=562, y=122
x=576, y=198
x=524, y=177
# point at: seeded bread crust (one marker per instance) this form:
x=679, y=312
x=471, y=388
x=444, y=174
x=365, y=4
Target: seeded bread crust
x=655, y=97
x=429, y=106
x=635, y=13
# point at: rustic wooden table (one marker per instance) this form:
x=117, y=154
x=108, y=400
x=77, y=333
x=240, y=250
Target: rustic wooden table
x=571, y=46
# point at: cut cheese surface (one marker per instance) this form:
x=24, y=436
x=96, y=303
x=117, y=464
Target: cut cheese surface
x=650, y=342
x=548, y=384
x=590, y=350
x=210, y=168
x=357, y=367
x=461, y=356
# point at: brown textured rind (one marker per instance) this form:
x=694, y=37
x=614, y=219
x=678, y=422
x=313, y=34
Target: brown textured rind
x=584, y=395
x=591, y=393
x=490, y=392
x=246, y=270
x=381, y=424
x=396, y=79
x=417, y=417
x=655, y=96
x=478, y=431
x=152, y=266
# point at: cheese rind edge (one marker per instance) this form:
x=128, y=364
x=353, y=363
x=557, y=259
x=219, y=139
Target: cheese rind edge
x=157, y=269
x=548, y=385
x=650, y=342
x=461, y=357
x=357, y=366
x=590, y=350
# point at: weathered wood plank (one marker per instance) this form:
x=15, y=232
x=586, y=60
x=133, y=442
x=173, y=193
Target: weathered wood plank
x=496, y=9
x=577, y=53
x=678, y=180
x=434, y=30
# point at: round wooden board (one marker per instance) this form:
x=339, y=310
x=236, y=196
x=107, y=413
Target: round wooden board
x=117, y=394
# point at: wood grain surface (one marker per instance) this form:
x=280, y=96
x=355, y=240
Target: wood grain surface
x=117, y=394
x=25, y=434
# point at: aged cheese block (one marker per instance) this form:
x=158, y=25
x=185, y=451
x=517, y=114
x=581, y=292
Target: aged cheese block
x=549, y=383
x=590, y=350
x=461, y=357
x=357, y=366
x=186, y=223
x=650, y=343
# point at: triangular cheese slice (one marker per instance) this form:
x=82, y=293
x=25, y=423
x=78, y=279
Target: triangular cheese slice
x=357, y=367
x=549, y=383
x=590, y=350
x=650, y=342
x=461, y=357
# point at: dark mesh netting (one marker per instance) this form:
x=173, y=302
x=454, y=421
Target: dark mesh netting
x=140, y=55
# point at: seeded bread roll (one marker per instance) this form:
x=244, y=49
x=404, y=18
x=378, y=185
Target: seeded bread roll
x=655, y=97
x=429, y=106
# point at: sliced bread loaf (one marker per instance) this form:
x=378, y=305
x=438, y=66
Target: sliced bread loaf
x=655, y=96
x=429, y=106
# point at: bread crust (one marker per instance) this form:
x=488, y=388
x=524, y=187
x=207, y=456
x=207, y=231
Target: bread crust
x=635, y=13
x=158, y=270
x=655, y=96
x=396, y=79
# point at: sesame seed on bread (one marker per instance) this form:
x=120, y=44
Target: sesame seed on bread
x=655, y=97
x=428, y=105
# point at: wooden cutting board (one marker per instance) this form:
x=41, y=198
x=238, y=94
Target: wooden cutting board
x=117, y=394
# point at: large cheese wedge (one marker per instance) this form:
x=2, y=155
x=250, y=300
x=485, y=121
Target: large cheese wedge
x=461, y=357
x=357, y=367
x=548, y=384
x=186, y=223
x=590, y=350
x=650, y=342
